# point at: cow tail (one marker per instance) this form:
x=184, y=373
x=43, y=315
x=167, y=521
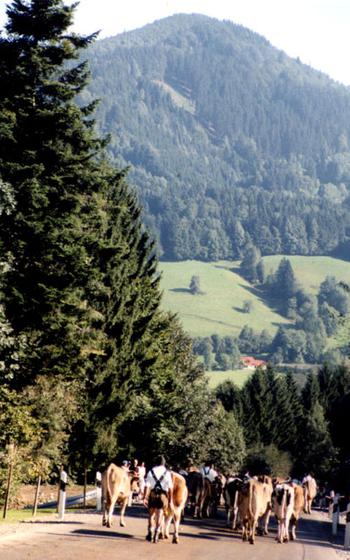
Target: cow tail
x=109, y=493
x=250, y=509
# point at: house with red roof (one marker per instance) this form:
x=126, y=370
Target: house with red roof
x=252, y=363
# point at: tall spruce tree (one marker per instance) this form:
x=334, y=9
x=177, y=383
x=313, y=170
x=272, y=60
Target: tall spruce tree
x=48, y=155
x=128, y=304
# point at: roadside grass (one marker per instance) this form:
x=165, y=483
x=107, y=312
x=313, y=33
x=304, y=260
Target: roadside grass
x=238, y=376
x=219, y=309
x=19, y=515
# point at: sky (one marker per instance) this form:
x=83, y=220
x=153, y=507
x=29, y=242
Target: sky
x=316, y=31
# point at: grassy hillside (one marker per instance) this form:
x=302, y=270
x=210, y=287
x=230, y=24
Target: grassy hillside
x=219, y=309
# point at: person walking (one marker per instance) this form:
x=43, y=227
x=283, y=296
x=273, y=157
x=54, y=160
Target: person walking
x=157, y=497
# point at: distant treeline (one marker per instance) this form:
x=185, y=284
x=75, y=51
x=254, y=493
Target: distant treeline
x=289, y=431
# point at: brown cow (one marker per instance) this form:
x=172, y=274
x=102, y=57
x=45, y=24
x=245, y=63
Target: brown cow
x=298, y=508
x=253, y=502
x=115, y=489
x=180, y=494
x=310, y=491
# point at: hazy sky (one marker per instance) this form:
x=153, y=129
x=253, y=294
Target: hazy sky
x=317, y=31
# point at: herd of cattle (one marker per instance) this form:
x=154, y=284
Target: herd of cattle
x=249, y=503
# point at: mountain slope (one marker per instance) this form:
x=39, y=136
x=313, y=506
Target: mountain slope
x=228, y=139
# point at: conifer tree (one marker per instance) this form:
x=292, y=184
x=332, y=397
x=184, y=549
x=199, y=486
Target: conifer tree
x=47, y=155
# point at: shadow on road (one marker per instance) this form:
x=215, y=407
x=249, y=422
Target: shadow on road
x=104, y=534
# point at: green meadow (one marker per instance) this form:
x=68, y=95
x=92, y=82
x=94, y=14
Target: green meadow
x=219, y=309
x=238, y=376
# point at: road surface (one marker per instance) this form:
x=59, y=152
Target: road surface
x=81, y=537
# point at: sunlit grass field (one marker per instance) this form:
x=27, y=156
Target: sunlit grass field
x=219, y=309
x=238, y=376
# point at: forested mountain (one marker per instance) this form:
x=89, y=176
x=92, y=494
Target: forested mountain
x=229, y=140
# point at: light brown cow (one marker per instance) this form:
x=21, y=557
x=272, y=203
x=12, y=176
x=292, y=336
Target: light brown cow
x=180, y=494
x=310, y=491
x=298, y=508
x=253, y=502
x=115, y=489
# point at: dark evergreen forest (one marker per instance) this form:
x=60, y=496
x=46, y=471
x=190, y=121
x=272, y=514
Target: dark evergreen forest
x=228, y=140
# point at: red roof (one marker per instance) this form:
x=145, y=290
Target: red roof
x=252, y=362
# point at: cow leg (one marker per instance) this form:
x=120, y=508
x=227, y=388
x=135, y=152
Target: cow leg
x=177, y=518
x=266, y=520
x=286, y=530
x=244, y=529
x=167, y=521
x=252, y=528
x=122, y=511
x=280, y=531
x=110, y=511
x=105, y=508
x=293, y=527
x=151, y=519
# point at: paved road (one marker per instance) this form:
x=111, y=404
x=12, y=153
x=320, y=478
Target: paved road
x=82, y=537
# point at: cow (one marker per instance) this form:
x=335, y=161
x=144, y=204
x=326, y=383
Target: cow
x=115, y=489
x=180, y=494
x=212, y=492
x=298, y=508
x=232, y=487
x=283, y=507
x=310, y=491
x=195, y=487
x=253, y=502
x=263, y=527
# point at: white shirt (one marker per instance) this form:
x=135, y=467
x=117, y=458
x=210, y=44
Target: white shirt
x=209, y=473
x=166, y=482
x=142, y=472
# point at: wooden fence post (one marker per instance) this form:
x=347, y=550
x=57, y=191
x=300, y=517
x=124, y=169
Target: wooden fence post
x=35, y=506
x=11, y=451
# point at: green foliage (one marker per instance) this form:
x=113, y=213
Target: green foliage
x=268, y=460
x=48, y=158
